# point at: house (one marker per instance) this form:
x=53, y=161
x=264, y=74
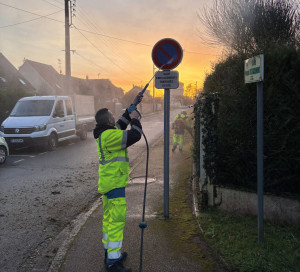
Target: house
x=10, y=78
x=45, y=79
x=147, y=104
x=176, y=95
x=48, y=81
x=105, y=89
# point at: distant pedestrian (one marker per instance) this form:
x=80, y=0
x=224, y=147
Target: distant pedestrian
x=112, y=142
x=181, y=122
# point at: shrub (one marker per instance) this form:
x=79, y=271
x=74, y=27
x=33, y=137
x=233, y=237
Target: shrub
x=228, y=112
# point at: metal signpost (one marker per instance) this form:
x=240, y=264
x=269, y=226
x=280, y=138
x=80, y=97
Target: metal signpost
x=166, y=55
x=254, y=72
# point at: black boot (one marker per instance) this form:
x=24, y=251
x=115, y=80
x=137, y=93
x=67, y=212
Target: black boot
x=124, y=256
x=117, y=267
x=174, y=147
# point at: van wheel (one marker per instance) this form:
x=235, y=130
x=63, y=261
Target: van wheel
x=83, y=133
x=3, y=155
x=52, y=142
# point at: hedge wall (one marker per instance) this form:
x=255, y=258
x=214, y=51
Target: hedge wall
x=227, y=108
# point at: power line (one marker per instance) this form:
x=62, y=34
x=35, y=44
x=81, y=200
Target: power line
x=57, y=1
x=31, y=13
x=190, y=52
x=90, y=61
x=108, y=43
x=96, y=33
x=138, y=43
x=114, y=47
x=111, y=37
x=51, y=4
x=23, y=22
x=100, y=50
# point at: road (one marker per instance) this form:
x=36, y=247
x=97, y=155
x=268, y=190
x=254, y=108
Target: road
x=40, y=193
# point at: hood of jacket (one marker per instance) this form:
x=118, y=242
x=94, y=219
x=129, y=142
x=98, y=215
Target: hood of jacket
x=100, y=128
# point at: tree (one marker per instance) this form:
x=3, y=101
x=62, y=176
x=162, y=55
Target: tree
x=249, y=27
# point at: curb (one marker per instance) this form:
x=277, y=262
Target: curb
x=70, y=233
x=196, y=213
x=195, y=200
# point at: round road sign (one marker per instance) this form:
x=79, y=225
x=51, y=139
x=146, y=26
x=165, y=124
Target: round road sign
x=167, y=54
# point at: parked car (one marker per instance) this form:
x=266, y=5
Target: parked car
x=4, y=150
x=47, y=120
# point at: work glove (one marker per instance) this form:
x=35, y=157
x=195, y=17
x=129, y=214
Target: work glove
x=137, y=100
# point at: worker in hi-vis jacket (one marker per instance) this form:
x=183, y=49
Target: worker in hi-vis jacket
x=181, y=122
x=112, y=142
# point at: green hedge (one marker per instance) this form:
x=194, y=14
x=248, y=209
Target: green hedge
x=227, y=107
x=8, y=99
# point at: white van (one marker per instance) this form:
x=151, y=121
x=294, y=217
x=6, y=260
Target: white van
x=47, y=120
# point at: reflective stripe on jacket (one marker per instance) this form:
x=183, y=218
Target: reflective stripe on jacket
x=113, y=160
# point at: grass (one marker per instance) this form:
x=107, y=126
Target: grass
x=235, y=238
x=181, y=229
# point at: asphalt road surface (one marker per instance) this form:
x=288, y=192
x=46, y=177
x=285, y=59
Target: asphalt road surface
x=41, y=192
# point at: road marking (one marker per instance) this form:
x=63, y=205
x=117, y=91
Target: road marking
x=71, y=144
x=30, y=156
x=18, y=161
x=42, y=153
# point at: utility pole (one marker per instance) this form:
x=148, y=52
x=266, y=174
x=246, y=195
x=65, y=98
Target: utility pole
x=67, y=47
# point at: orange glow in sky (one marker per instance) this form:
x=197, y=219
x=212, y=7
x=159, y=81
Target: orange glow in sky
x=110, y=39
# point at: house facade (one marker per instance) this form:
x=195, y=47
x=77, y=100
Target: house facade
x=10, y=78
x=45, y=79
x=176, y=95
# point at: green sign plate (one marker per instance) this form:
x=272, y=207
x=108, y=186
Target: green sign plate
x=254, y=69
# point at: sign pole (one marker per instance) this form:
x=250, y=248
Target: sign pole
x=166, y=55
x=166, y=151
x=260, y=162
x=254, y=72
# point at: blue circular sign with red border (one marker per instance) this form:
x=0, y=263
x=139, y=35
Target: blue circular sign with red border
x=167, y=54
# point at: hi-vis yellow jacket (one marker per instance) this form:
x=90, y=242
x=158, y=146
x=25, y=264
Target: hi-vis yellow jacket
x=113, y=160
x=112, y=143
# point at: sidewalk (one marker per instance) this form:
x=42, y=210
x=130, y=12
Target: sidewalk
x=174, y=244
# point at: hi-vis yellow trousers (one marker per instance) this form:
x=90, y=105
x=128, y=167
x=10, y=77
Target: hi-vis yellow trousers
x=113, y=223
x=178, y=139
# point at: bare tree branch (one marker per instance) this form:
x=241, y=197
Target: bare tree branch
x=248, y=27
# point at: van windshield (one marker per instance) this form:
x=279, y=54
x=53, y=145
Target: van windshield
x=33, y=108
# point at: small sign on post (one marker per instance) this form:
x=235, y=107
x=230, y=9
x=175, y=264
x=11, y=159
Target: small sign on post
x=254, y=69
x=254, y=72
x=167, y=80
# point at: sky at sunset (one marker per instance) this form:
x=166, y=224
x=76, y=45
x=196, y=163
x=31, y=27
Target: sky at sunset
x=111, y=39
